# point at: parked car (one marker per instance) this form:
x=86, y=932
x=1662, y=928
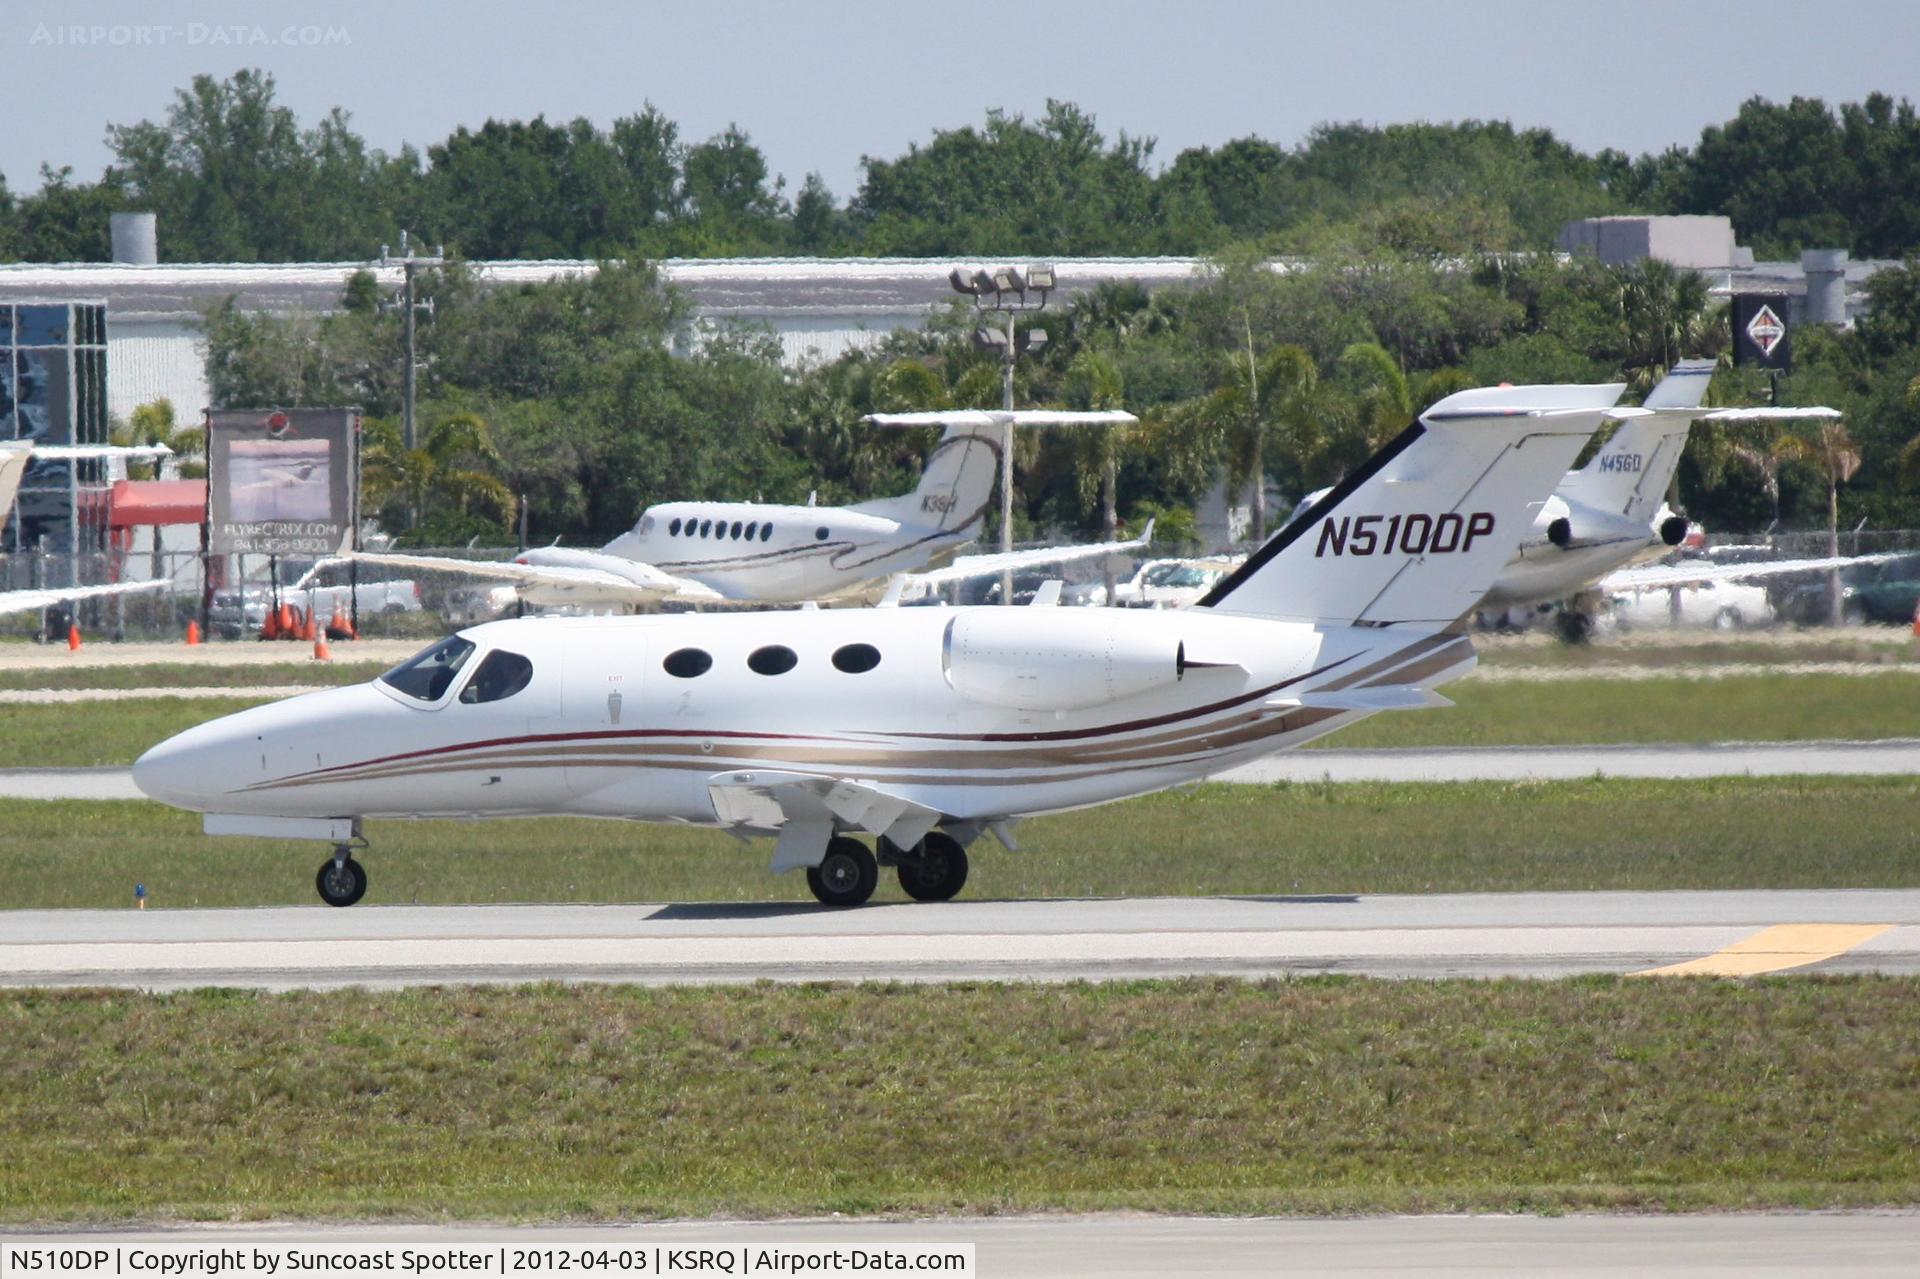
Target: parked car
x=1887, y=593
x=242, y=610
x=1161, y=584
x=1722, y=606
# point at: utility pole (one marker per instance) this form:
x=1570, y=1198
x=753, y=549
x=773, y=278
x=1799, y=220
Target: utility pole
x=409, y=303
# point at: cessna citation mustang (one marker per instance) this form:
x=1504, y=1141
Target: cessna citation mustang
x=14, y=459
x=708, y=552
x=924, y=728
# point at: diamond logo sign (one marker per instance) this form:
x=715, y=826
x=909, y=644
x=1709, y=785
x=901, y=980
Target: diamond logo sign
x=1766, y=330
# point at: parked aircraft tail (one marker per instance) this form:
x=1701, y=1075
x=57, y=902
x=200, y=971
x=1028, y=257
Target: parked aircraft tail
x=1419, y=533
x=1630, y=474
x=13, y=464
x=956, y=486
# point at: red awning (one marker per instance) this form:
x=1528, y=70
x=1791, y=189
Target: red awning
x=138, y=502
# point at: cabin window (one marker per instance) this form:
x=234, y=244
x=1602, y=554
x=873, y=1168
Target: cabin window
x=766, y=531
x=673, y=529
x=706, y=528
x=820, y=534
x=752, y=527
x=736, y=530
x=501, y=675
x=774, y=659
x=428, y=674
x=687, y=663
x=646, y=525
x=856, y=659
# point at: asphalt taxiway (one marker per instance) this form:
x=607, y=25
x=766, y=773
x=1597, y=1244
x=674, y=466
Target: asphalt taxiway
x=1440, y=935
x=1855, y=1245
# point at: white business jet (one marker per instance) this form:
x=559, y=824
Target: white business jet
x=707, y=552
x=923, y=728
x=15, y=455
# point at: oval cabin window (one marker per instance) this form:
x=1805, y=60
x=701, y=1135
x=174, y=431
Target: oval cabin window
x=673, y=529
x=766, y=531
x=856, y=659
x=685, y=663
x=820, y=534
x=774, y=659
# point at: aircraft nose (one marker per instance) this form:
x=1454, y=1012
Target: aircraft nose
x=176, y=771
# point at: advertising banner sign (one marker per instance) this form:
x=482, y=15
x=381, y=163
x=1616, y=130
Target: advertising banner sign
x=282, y=481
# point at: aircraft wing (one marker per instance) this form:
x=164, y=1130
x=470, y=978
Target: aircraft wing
x=1652, y=576
x=968, y=566
x=807, y=808
x=642, y=584
x=1003, y=417
x=23, y=601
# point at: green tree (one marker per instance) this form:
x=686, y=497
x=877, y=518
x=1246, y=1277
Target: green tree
x=449, y=481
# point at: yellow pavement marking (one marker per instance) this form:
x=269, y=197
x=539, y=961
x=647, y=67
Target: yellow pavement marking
x=1772, y=949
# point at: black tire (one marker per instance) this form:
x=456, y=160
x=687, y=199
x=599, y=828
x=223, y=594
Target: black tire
x=341, y=884
x=1728, y=619
x=937, y=872
x=846, y=876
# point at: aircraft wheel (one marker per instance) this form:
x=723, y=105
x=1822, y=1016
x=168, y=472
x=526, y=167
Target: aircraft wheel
x=937, y=872
x=341, y=883
x=846, y=876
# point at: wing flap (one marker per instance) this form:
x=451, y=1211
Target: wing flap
x=806, y=809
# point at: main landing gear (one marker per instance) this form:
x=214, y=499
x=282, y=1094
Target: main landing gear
x=342, y=881
x=931, y=871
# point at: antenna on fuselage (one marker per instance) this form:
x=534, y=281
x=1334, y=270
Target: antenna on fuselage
x=813, y=495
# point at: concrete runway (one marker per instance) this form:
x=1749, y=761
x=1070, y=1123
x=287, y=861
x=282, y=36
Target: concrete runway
x=1440, y=935
x=1455, y=764
x=1856, y=1245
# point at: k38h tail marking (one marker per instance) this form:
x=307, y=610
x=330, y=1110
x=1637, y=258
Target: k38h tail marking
x=1414, y=534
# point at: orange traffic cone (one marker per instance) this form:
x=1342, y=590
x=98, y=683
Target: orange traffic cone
x=306, y=626
x=193, y=633
x=270, y=627
x=73, y=637
x=289, y=628
x=320, y=651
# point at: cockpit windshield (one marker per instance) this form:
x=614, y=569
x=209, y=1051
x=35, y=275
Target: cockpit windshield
x=428, y=674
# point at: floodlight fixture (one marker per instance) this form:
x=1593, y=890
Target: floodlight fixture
x=1040, y=277
x=990, y=339
x=964, y=281
x=1032, y=340
x=1007, y=280
x=982, y=282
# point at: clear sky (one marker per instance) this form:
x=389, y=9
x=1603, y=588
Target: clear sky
x=818, y=85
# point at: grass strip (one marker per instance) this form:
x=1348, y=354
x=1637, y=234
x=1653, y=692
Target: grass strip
x=1799, y=707
x=1826, y=832
x=1882, y=646
x=159, y=676
x=1326, y=1095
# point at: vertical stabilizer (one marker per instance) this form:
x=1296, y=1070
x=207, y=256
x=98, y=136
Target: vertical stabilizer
x=1419, y=533
x=13, y=465
x=1630, y=474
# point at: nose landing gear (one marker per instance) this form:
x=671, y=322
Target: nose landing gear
x=342, y=881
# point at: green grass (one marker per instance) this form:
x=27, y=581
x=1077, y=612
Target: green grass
x=1574, y=712
x=1219, y=839
x=1580, y=712
x=1328, y=1095
x=1882, y=646
x=164, y=675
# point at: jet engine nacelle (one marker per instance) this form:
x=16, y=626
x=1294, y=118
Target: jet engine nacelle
x=1673, y=530
x=1053, y=659
x=1582, y=526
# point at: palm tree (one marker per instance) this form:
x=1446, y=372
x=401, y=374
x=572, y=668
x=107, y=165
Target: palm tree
x=1766, y=462
x=153, y=423
x=1666, y=315
x=1837, y=457
x=1095, y=382
x=452, y=467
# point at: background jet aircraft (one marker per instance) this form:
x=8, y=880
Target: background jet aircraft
x=923, y=728
x=15, y=455
x=707, y=552
x=1611, y=514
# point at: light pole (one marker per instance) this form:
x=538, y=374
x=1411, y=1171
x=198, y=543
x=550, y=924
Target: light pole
x=1006, y=291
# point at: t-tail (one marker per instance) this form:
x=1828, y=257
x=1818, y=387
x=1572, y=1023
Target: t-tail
x=1419, y=533
x=956, y=486
x=1630, y=473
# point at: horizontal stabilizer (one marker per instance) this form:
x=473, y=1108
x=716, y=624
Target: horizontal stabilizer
x=1395, y=697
